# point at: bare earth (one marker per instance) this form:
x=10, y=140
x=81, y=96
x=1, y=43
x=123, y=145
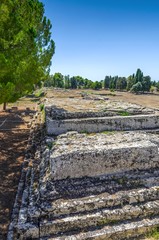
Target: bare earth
x=146, y=100
x=14, y=134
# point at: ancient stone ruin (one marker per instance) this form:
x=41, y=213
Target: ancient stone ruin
x=95, y=175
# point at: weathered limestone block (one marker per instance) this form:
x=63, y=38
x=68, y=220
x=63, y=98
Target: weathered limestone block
x=103, y=158
x=100, y=124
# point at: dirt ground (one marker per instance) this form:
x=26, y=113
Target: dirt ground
x=11, y=157
x=146, y=100
x=14, y=132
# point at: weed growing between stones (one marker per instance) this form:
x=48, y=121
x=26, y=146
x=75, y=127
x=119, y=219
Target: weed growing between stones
x=106, y=221
x=109, y=132
x=41, y=107
x=39, y=93
x=124, y=113
x=84, y=131
x=154, y=234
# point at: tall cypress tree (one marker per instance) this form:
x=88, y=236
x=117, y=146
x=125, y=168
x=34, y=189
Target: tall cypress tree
x=139, y=76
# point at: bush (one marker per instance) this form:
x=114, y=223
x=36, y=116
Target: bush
x=136, y=88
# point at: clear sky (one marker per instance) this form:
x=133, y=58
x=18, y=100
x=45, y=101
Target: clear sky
x=95, y=38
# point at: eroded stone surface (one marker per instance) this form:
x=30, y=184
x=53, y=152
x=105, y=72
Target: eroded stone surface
x=90, y=125
x=99, y=154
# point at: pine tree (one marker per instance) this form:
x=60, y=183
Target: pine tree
x=26, y=47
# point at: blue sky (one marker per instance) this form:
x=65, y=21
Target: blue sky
x=95, y=38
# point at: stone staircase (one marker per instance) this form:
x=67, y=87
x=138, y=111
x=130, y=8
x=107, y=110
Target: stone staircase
x=128, y=207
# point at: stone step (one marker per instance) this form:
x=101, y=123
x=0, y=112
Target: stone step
x=80, y=188
x=99, y=124
x=88, y=204
x=99, y=218
x=135, y=187
x=79, y=195
x=95, y=202
x=123, y=231
x=99, y=228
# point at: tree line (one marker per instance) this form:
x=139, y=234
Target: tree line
x=134, y=83
x=76, y=82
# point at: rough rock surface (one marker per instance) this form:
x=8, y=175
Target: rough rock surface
x=122, y=123
x=98, y=154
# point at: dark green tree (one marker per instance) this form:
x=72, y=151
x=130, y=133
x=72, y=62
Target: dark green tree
x=121, y=83
x=157, y=86
x=26, y=47
x=58, y=80
x=146, y=84
x=139, y=76
x=153, y=83
x=80, y=81
x=49, y=82
x=106, y=82
x=87, y=83
x=73, y=81
x=112, y=83
x=67, y=83
x=130, y=82
x=96, y=85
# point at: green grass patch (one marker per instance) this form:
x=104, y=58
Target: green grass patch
x=124, y=113
x=154, y=234
x=109, y=132
x=39, y=94
x=106, y=221
x=84, y=131
x=41, y=107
